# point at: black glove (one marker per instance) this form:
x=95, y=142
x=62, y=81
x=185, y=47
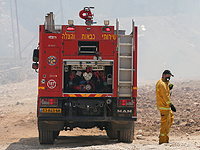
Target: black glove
x=173, y=108
x=170, y=86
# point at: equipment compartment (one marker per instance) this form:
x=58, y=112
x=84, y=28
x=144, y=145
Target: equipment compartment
x=88, y=77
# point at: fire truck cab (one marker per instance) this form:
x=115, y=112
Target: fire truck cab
x=87, y=78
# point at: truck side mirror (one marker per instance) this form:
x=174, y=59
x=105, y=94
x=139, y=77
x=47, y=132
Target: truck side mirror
x=35, y=65
x=36, y=55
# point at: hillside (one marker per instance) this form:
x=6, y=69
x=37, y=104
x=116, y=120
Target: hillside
x=168, y=32
x=169, y=43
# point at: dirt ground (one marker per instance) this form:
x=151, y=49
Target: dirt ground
x=18, y=127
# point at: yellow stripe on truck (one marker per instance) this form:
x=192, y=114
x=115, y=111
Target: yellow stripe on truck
x=134, y=88
x=41, y=87
x=98, y=95
x=85, y=95
x=72, y=95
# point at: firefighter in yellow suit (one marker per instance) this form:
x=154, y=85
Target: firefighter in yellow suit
x=165, y=106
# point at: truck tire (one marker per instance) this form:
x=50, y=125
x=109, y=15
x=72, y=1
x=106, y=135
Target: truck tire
x=125, y=136
x=112, y=135
x=46, y=136
x=55, y=134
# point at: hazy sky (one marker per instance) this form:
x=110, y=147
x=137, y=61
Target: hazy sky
x=169, y=31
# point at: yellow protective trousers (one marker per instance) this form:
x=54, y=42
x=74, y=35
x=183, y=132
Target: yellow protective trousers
x=167, y=118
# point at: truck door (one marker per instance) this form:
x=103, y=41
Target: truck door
x=52, y=70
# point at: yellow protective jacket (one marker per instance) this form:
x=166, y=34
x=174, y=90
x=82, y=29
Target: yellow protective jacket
x=163, y=95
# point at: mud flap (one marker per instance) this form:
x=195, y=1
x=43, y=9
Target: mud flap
x=51, y=125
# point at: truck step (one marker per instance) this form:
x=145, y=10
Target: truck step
x=125, y=35
x=125, y=81
x=125, y=69
x=125, y=95
x=129, y=57
x=125, y=44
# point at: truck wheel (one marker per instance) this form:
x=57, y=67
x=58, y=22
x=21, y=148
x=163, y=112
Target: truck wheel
x=46, y=136
x=112, y=134
x=126, y=136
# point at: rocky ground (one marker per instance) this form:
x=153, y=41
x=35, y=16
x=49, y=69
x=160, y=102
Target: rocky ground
x=18, y=125
x=185, y=97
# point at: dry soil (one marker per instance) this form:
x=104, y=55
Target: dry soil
x=18, y=121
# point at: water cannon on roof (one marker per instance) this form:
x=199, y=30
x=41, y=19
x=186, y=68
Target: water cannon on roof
x=87, y=15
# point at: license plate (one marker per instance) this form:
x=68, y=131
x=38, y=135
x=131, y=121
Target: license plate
x=50, y=110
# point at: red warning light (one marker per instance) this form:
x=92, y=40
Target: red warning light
x=123, y=102
x=49, y=101
x=126, y=102
x=106, y=29
x=70, y=29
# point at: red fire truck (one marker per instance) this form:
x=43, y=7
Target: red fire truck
x=87, y=78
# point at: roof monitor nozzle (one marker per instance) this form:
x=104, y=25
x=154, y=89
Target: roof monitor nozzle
x=87, y=15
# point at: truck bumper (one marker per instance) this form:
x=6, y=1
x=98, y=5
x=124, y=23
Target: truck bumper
x=87, y=119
